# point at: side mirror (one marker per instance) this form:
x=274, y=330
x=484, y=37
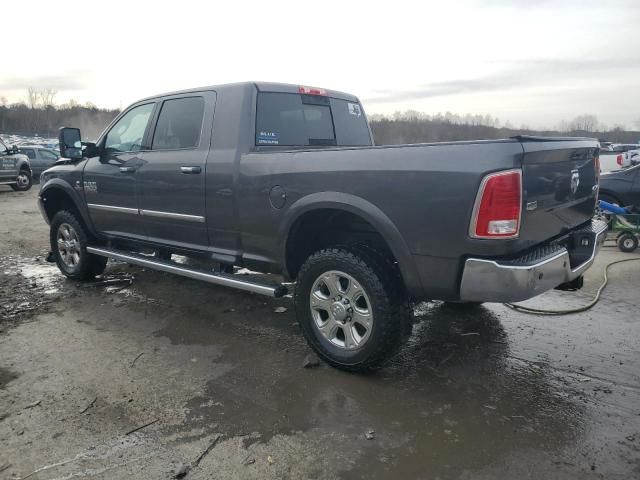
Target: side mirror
x=70, y=143
x=13, y=149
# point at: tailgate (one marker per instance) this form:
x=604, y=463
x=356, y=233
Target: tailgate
x=559, y=183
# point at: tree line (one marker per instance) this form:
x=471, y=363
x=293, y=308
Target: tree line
x=418, y=127
x=39, y=115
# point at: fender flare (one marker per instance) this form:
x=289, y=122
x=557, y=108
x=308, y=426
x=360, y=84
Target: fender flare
x=56, y=184
x=367, y=211
x=23, y=160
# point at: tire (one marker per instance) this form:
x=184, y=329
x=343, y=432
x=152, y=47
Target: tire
x=70, y=254
x=24, y=181
x=379, y=320
x=627, y=242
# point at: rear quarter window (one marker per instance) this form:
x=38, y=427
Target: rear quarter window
x=294, y=120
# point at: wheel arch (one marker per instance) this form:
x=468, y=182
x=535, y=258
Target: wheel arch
x=24, y=164
x=616, y=196
x=364, y=210
x=58, y=195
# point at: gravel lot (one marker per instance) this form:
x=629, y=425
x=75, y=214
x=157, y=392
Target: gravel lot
x=218, y=376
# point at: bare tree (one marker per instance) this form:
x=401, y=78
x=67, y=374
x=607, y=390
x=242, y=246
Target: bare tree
x=584, y=123
x=47, y=97
x=32, y=97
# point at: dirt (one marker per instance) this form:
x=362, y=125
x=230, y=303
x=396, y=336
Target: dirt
x=476, y=393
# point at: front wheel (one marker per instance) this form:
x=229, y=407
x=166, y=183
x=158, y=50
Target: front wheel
x=69, y=241
x=23, y=181
x=349, y=308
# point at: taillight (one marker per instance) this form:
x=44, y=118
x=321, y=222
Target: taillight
x=312, y=91
x=496, y=213
x=619, y=160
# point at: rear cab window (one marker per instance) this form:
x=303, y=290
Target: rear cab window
x=301, y=120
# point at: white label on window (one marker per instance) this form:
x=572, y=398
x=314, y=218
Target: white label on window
x=354, y=109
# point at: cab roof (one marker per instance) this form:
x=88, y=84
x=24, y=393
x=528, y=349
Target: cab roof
x=259, y=86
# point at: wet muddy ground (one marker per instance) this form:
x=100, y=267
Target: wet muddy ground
x=217, y=375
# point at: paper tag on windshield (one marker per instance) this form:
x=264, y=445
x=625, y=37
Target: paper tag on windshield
x=354, y=109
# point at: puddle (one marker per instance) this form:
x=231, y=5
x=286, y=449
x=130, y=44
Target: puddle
x=43, y=275
x=28, y=285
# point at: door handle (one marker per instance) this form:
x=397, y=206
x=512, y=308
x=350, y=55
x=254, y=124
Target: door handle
x=127, y=169
x=190, y=169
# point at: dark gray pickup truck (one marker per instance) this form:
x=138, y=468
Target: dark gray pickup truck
x=285, y=179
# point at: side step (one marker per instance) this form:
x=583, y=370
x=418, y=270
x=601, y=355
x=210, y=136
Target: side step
x=223, y=279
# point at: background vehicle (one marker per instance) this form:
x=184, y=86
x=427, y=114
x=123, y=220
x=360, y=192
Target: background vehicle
x=15, y=170
x=623, y=147
x=610, y=160
x=285, y=179
x=621, y=187
x=40, y=158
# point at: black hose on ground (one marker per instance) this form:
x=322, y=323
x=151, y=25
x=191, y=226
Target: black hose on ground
x=591, y=304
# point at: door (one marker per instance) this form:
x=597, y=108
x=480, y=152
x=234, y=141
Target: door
x=171, y=181
x=8, y=169
x=109, y=180
x=33, y=159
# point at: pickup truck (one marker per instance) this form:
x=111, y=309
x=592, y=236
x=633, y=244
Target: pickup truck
x=286, y=180
x=15, y=169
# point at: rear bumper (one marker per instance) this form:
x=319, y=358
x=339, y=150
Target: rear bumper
x=487, y=280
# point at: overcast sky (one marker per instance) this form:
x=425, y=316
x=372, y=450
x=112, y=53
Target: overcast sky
x=532, y=62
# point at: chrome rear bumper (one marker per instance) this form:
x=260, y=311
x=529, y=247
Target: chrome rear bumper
x=486, y=280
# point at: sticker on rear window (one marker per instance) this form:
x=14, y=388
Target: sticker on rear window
x=354, y=109
x=267, y=138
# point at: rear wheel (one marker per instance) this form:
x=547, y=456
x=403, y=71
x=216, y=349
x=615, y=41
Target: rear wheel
x=349, y=310
x=627, y=242
x=69, y=241
x=23, y=181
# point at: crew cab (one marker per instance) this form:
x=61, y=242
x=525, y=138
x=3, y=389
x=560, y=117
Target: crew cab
x=15, y=169
x=286, y=179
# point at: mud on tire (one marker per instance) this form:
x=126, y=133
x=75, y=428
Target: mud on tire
x=69, y=240
x=391, y=320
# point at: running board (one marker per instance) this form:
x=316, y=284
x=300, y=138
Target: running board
x=198, y=274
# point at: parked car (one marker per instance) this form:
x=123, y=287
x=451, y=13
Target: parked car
x=286, y=179
x=15, y=169
x=40, y=157
x=621, y=187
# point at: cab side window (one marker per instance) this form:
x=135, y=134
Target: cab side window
x=126, y=135
x=47, y=155
x=29, y=152
x=179, y=124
